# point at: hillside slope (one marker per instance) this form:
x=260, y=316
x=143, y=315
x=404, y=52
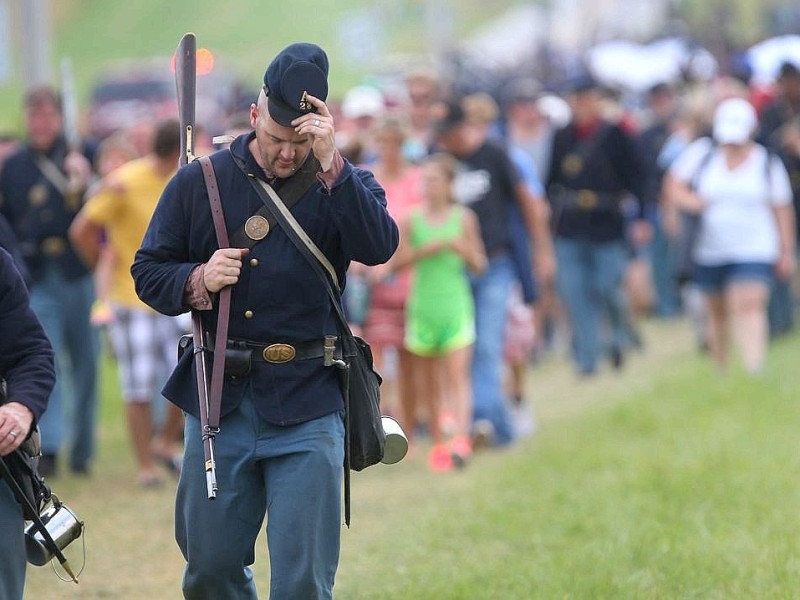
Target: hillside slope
x=359, y=35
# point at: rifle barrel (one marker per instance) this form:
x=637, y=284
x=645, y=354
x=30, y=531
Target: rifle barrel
x=186, y=88
x=69, y=105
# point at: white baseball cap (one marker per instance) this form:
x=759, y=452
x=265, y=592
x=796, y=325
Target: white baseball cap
x=735, y=121
x=363, y=101
x=555, y=109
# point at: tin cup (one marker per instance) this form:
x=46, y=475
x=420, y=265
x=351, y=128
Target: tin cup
x=64, y=527
x=396, y=441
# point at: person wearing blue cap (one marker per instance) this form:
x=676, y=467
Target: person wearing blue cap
x=280, y=446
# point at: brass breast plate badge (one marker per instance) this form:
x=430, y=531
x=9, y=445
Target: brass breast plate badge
x=278, y=353
x=572, y=165
x=256, y=227
x=37, y=195
x=587, y=199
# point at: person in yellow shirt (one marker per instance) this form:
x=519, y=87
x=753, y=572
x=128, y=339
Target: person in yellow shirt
x=112, y=153
x=144, y=341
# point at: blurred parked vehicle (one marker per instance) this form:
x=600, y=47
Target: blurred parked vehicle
x=131, y=92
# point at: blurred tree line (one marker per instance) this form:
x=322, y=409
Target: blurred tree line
x=724, y=26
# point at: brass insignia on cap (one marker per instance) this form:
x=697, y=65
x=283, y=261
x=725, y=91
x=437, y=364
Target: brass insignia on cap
x=256, y=227
x=305, y=105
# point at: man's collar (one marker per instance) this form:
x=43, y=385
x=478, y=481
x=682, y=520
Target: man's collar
x=59, y=145
x=240, y=147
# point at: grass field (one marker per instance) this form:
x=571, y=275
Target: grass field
x=664, y=481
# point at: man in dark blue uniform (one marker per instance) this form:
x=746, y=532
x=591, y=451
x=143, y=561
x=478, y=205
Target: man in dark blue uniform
x=26, y=365
x=281, y=442
x=595, y=167
x=41, y=189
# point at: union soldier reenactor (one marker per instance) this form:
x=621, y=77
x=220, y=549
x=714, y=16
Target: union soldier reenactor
x=280, y=443
x=42, y=187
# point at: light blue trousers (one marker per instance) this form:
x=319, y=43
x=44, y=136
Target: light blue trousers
x=63, y=306
x=293, y=475
x=590, y=286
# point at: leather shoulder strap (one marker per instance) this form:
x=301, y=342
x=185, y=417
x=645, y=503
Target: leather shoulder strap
x=306, y=246
x=223, y=316
x=291, y=192
x=52, y=173
x=288, y=218
x=701, y=167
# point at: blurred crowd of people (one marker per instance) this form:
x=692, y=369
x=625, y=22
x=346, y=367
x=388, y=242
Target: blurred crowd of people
x=534, y=222
x=593, y=212
x=73, y=218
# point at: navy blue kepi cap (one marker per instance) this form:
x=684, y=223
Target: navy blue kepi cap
x=298, y=70
x=583, y=82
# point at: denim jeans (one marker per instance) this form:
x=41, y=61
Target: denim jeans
x=63, y=306
x=292, y=475
x=12, y=546
x=491, y=291
x=667, y=300
x=590, y=286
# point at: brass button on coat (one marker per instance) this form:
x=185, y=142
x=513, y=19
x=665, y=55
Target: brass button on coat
x=253, y=262
x=248, y=314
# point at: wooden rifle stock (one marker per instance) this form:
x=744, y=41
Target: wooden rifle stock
x=186, y=83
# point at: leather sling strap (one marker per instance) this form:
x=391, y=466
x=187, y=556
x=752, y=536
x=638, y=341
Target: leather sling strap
x=223, y=314
x=291, y=192
x=274, y=203
x=288, y=219
x=53, y=174
x=327, y=274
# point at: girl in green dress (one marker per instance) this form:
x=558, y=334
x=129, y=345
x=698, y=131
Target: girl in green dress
x=441, y=240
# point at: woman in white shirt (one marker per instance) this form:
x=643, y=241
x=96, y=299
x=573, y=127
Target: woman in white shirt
x=746, y=234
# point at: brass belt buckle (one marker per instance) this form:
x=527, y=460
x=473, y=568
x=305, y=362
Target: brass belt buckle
x=278, y=353
x=53, y=246
x=587, y=199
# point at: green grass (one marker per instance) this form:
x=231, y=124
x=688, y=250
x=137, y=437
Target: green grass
x=665, y=481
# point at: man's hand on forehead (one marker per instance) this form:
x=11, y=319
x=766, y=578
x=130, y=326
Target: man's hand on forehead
x=318, y=125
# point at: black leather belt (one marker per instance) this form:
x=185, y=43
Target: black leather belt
x=283, y=352
x=584, y=199
x=53, y=245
